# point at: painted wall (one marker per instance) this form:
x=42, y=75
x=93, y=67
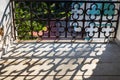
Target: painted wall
x=118, y=31
x=3, y=5
x=118, y=35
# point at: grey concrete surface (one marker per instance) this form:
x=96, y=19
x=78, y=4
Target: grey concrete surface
x=61, y=61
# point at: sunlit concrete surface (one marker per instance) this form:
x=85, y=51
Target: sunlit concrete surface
x=61, y=61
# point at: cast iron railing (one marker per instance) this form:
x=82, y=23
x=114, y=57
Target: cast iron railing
x=55, y=19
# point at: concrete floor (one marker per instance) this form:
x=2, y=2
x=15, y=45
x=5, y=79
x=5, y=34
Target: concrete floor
x=61, y=61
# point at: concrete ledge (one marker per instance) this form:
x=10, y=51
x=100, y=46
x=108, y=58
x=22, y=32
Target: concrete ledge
x=117, y=41
x=95, y=40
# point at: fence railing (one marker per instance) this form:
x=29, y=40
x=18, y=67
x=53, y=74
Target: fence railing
x=55, y=19
x=6, y=30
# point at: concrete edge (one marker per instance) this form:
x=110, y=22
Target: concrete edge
x=63, y=41
x=117, y=41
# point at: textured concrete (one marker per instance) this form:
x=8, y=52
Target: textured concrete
x=61, y=61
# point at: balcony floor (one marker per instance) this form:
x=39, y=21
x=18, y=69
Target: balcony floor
x=61, y=61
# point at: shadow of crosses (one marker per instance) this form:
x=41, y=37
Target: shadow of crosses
x=53, y=67
x=66, y=68
x=45, y=49
x=63, y=50
x=16, y=66
x=89, y=67
x=39, y=68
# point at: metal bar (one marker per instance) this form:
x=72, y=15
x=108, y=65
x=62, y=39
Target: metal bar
x=101, y=18
x=49, y=19
x=70, y=20
x=66, y=21
x=71, y=1
x=13, y=15
x=84, y=20
x=31, y=21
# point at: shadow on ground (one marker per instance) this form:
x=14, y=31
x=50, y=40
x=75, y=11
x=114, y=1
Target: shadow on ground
x=61, y=61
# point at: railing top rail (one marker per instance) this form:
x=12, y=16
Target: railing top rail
x=72, y=1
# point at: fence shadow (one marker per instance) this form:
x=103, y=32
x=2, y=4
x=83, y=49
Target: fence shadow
x=56, y=61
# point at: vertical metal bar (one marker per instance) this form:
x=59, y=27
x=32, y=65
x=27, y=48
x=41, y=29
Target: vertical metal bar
x=117, y=23
x=11, y=23
x=101, y=17
x=84, y=20
x=13, y=16
x=66, y=21
x=31, y=21
x=48, y=5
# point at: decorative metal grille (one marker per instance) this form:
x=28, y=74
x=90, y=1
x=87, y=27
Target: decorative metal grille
x=66, y=19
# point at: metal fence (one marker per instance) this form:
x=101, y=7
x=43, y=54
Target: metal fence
x=56, y=19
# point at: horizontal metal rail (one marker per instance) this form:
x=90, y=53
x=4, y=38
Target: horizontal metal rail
x=84, y=1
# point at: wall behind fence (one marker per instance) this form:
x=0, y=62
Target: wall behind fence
x=3, y=5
